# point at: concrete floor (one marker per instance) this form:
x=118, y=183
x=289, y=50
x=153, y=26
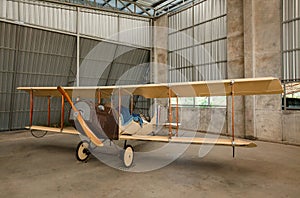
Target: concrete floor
x=47, y=167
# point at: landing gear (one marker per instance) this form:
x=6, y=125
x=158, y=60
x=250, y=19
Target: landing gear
x=82, y=151
x=128, y=155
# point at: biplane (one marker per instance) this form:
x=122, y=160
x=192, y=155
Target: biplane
x=99, y=122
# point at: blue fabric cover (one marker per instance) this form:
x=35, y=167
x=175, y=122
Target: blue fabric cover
x=137, y=118
x=126, y=117
x=125, y=114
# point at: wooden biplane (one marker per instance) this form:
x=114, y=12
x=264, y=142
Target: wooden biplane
x=99, y=123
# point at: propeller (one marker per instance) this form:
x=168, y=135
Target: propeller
x=89, y=133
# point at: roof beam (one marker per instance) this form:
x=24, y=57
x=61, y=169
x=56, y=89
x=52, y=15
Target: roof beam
x=108, y=8
x=126, y=6
x=158, y=3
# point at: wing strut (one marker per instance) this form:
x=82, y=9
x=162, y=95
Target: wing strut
x=170, y=113
x=31, y=107
x=62, y=117
x=80, y=119
x=49, y=111
x=177, y=115
x=232, y=117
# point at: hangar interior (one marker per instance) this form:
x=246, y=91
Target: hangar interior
x=61, y=42
x=126, y=42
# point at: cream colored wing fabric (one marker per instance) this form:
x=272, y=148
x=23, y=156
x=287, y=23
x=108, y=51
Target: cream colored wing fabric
x=246, y=86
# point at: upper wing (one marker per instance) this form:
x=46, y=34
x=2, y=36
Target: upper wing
x=246, y=86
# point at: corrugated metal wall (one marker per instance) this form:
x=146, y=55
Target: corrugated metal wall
x=197, y=42
x=291, y=40
x=95, y=23
x=135, y=31
x=90, y=20
x=32, y=57
x=38, y=48
x=7, y=57
x=104, y=64
x=40, y=13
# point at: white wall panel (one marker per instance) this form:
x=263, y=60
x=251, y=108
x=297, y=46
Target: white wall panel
x=95, y=23
x=48, y=15
x=3, y=8
x=99, y=24
x=135, y=31
x=197, y=43
x=11, y=10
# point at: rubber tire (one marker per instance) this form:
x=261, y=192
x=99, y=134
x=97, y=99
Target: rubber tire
x=82, y=151
x=128, y=156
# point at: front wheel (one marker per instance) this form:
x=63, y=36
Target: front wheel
x=128, y=156
x=82, y=151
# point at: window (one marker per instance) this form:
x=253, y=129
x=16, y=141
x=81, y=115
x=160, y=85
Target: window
x=291, y=97
x=216, y=101
x=291, y=53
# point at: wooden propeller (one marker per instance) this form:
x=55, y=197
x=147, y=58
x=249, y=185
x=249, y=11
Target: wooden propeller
x=89, y=133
